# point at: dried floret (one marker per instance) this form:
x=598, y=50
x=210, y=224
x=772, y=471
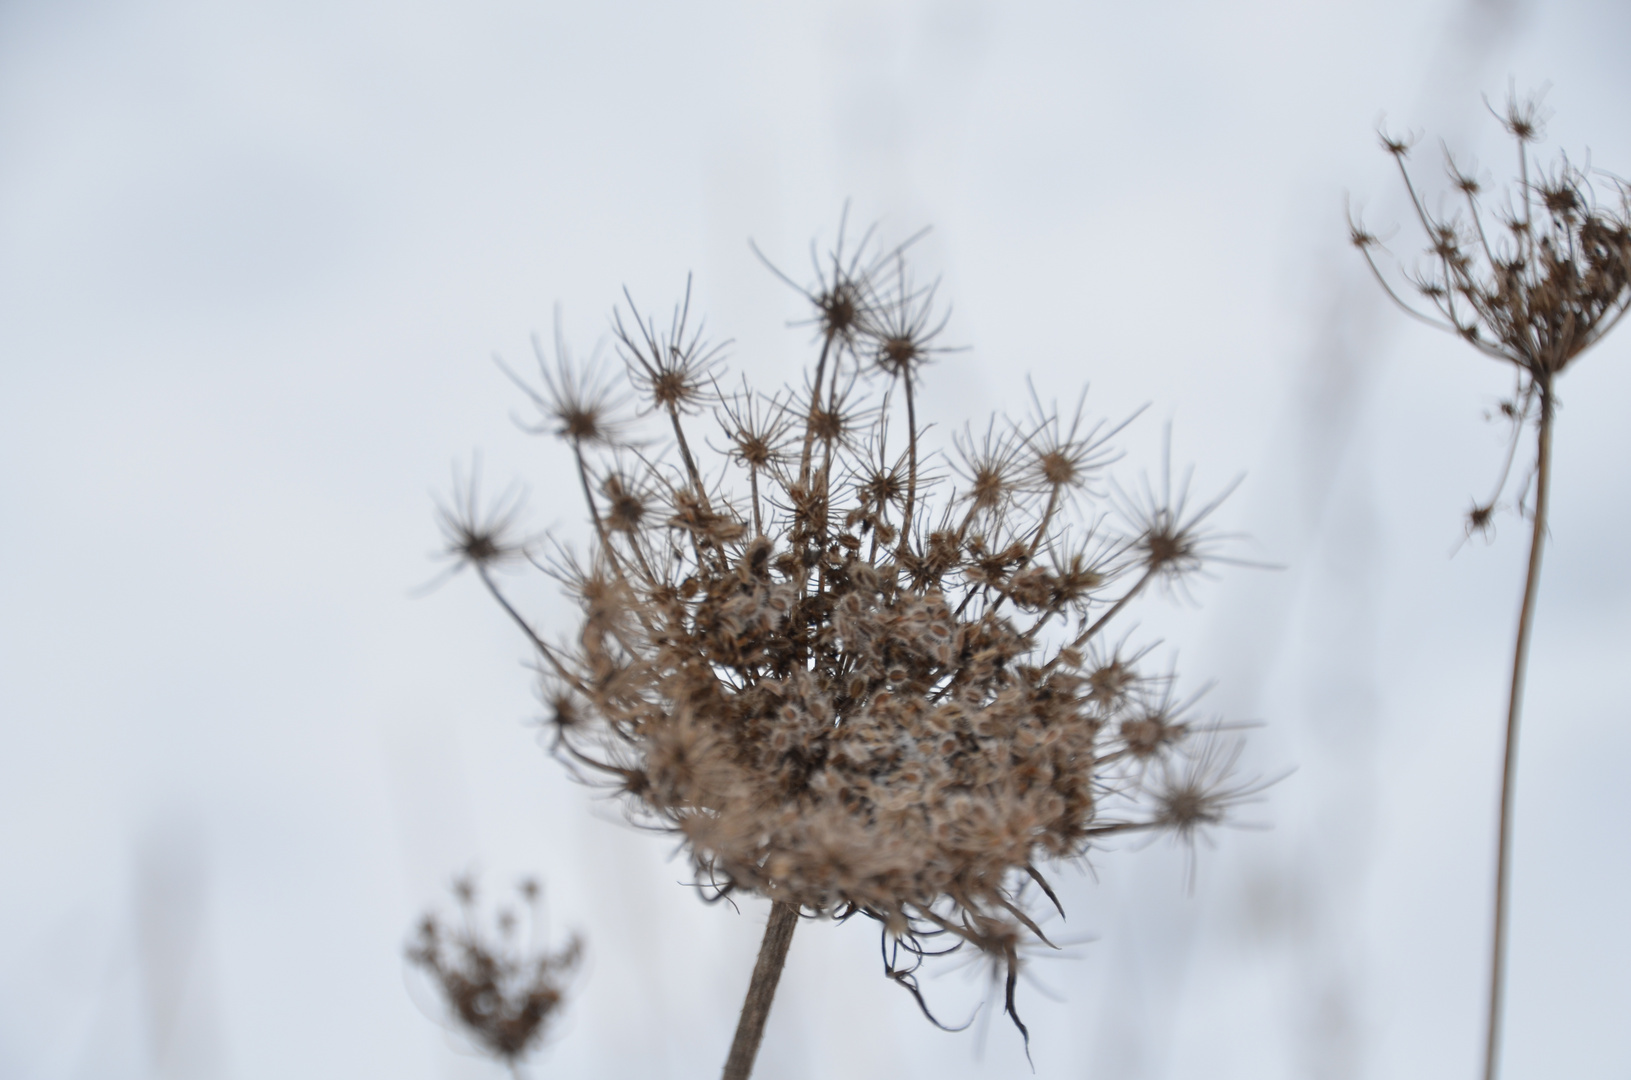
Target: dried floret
x=1545, y=285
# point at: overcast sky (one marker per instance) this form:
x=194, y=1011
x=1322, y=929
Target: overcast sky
x=255, y=259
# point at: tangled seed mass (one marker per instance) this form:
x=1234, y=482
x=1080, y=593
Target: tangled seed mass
x=856, y=673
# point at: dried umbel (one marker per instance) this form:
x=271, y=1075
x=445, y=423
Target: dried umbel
x=856, y=672
x=1534, y=282
x=501, y=986
x=1534, y=278
x=1537, y=280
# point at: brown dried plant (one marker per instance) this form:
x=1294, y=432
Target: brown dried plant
x=856, y=672
x=1533, y=280
x=501, y=986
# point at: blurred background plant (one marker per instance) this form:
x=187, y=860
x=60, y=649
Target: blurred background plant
x=1533, y=278
x=499, y=983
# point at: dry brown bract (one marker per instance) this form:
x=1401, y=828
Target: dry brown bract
x=502, y=992
x=857, y=674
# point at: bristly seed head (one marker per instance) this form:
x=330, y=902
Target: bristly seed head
x=851, y=672
x=501, y=994
x=477, y=535
x=1535, y=282
x=1534, y=278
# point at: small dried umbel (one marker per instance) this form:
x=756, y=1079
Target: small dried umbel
x=854, y=671
x=1534, y=282
x=501, y=987
x=1533, y=277
x=1537, y=280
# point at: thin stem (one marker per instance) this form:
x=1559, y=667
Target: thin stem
x=526, y=628
x=1098, y=624
x=815, y=405
x=767, y=971
x=1520, y=661
x=758, y=524
x=911, y=467
x=1520, y=402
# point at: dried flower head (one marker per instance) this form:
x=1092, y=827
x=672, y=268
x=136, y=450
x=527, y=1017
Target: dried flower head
x=843, y=299
x=671, y=371
x=577, y=402
x=478, y=535
x=857, y=676
x=482, y=536
x=1535, y=280
x=501, y=987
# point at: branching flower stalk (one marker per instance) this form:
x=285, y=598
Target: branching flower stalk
x=1533, y=282
x=858, y=672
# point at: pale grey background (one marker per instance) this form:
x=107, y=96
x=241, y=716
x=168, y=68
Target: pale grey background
x=254, y=258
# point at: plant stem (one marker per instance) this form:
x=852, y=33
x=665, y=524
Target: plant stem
x=767, y=971
x=1520, y=661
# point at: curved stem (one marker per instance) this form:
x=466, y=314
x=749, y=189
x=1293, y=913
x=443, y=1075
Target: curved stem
x=1520, y=661
x=767, y=971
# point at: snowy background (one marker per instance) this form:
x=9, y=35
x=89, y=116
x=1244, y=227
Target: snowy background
x=255, y=258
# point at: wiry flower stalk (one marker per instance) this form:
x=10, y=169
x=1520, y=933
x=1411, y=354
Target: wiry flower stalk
x=1534, y=282
x=856, y=672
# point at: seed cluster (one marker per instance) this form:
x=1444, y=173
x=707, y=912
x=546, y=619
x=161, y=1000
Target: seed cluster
x=501, y=992
x=855, y=672
x=1535, y=281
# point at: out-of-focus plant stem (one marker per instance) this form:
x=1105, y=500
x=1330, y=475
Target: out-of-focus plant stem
x=1520, y=662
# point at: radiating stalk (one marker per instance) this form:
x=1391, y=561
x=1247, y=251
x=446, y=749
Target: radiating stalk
x=1520, y=661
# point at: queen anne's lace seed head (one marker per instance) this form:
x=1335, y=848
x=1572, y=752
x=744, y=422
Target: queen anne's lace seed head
x=1534, y=278
x=1534, y=281
x=501, y=987
x=853, y=675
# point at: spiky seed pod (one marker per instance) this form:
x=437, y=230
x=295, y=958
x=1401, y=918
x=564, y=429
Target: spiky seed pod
x=1534, y=279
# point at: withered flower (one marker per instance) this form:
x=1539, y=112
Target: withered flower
x=478, y=535
x=1533, y=280
x=500, y=986
x=856, y=677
